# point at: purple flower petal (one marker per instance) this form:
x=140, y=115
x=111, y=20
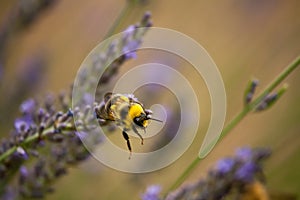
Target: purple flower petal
x=245, y=154
x=129, y=30
x=130, y=48
x=152, y=193
x=246, y=172
x=22, y=124
x=88, y=99
x=23, y=171
x=223, y=166
x=82, y=135
x=28, y=106
x=21, y=152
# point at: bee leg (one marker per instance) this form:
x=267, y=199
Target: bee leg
x=136, y=132
x=126, y=137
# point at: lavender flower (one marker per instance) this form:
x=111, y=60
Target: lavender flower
x=246, y=172
x=224, y=165
x=244, y=153
x=28, y=106
x=22, y=153
x=152, y=193
x=230, y=177
x=267, y=101
x=50, y=125
x=250, y=90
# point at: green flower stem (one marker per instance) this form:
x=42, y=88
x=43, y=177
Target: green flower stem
x=127, y=8
x=234, y=122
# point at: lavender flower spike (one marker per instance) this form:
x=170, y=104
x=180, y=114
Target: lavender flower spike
x=230, y=177
x=49, y=124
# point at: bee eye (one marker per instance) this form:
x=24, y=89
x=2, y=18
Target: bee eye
x=138, y=121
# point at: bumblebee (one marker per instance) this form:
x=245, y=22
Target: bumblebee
x=126, y=112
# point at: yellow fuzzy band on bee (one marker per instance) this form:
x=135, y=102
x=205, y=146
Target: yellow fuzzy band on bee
x=135, y=111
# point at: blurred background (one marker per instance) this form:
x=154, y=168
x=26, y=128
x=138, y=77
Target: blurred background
x=42, y=47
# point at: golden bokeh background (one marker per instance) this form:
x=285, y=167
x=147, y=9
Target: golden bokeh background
x=245, y=38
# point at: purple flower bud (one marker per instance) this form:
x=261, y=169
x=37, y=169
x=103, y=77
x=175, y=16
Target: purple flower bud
x=81, y=134
x=28, y=106
x=152, y=193
x=88, y=99
x=130, y=49
x=41, y=114
x=20, y=125
x=23, y=174
x=23, y=171
x=246, y=172
x=70, y=113
x=225, y=165
x=129, y=30
x=250, y=90
x=245, y=154
x=23, y=124
x=22, y=153
x=262, y=154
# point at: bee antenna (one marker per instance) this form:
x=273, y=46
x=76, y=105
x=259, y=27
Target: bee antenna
x=158, y=120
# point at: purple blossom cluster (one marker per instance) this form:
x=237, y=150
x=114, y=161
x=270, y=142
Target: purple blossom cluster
x=41, y=128
x=45, y=141
x=230, y=177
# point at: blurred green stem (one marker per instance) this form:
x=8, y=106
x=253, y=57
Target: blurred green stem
x=127, y=8
x=234, y=122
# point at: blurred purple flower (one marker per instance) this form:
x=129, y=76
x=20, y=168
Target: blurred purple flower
x=22, y=124
x=9, y=194
x=225, y=165
x=131, y=44
x=28, y=106
x=152, y=193
x=130, y=49
x=82, y=135
x=88, y=99
x=23, y=174
x=129, y=31
x=246, y=172
x=22, y=153
x=33, y=70
x=245, y=154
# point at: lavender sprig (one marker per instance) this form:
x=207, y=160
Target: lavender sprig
x=230, y=177
x=49, y=127
x=248, y=108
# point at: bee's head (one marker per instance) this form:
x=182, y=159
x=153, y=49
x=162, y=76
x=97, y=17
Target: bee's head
x=140, y=116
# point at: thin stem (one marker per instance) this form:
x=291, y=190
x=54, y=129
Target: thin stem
x=234, y=122
x=129, y=5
